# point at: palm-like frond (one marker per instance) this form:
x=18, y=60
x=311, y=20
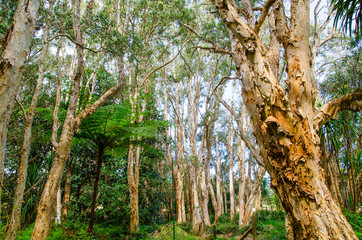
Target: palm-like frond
x=348, y=14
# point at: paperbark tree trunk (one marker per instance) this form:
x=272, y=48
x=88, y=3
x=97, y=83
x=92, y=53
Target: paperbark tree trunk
x=286, y=125
x=133, y=170
x=66, y=197
x=220, y=206
x=179, y=164
x=15, y=217
x=58, y=212
x=230, y=148
x=193, y=103
x=70, y=126
x=251, y=204
x=15, y=45
x=196, y=221
x=242, y=179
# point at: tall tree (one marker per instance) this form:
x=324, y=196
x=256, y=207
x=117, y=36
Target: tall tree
x=14, y=47
x=71, y=124
x=29, y=116
x=286, y=122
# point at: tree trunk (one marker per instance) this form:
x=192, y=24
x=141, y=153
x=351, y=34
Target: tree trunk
x=196, y=218
x=220, y=207
x=133, y=180
x=58, y=215
x=286, y=125
x=15, y=46
x=242, y=179
x=225, y=201
x=25, y=151
x=250, y=206
x=230, y=147
x=71, y=124
x=66, y=197
x=99, y=162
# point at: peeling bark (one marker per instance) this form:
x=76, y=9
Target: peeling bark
x=285, y=124
x=14, y=51
x=15, y=217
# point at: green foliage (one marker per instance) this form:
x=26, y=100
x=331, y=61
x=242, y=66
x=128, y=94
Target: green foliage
x=7, y=11
x=76, y=230
x=348, y=14
x=355, y=219
x=271, y=224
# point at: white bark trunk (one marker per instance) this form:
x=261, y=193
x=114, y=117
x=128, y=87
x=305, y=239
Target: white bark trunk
x=15, y=47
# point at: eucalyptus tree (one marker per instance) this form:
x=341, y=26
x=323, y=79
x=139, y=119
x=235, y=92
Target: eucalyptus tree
x=71, y=124
x=29, y=116
x=286, y=122
x=152, y=39
x=15, y=44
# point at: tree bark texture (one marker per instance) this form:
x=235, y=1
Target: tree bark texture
x=15, y=46
x=230, y=148
x=66, y=196
x=286, y=124
x=15, y=217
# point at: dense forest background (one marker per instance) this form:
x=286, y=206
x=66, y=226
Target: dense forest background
x=119, y=117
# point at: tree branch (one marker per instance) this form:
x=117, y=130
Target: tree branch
x=351, y=101
x=263, y=15
x=157, y=68
x=97, y=104
x=281, y=23
x=22, y=108
x=254, y=153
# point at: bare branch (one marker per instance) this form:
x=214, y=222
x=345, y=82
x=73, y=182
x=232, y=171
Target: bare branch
x=281, y=22
x=22, y=108
x=76, y=43
x=157, y=68
x=241, y=133
x=196, y=33
x=216, y=50
x=264, y=13
x=351, y=101
x=97, y=104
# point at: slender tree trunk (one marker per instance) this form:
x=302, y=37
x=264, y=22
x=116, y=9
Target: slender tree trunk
x=99, y=162
x=250, y=206
x=220, y=207
x=197, y=222
x=178, y=167
x=66, y=197
x=242, y=179
x=15, y=46
x=58, y=215
x=230, y=146
x=25, y=151
x=133, y=181
x=71, y=124
x=225, y=201
x=213, y=198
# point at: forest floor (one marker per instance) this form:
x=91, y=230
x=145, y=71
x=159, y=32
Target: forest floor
x=270, y=226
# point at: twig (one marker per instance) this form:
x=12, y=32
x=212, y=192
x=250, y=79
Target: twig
x=22, y=108
x=246, y=233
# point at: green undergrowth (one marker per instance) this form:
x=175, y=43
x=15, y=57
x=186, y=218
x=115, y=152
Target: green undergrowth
x=270, y=226
x=355, y=219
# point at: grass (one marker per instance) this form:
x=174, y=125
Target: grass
x=270, y=226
